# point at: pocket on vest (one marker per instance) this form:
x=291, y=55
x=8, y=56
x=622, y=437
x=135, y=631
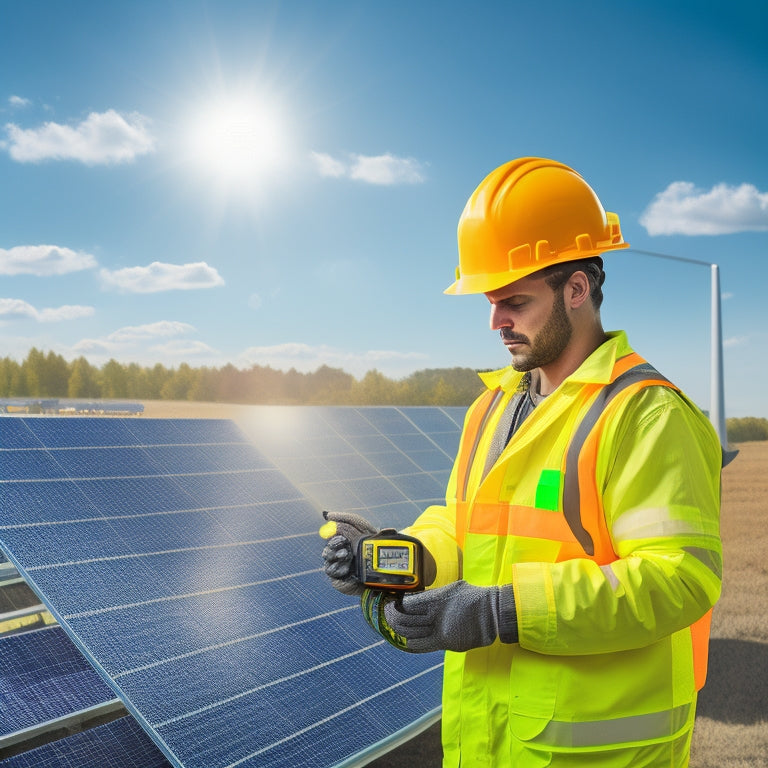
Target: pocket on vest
x=533, y=688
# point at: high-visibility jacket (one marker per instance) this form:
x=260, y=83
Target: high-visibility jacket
x=603, y=513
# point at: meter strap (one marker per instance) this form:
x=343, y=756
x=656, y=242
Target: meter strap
x=372, y=603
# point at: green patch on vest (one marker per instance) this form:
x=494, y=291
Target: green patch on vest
x=548, y=489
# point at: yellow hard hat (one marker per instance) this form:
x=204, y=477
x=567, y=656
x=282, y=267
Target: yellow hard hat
x=526, y=215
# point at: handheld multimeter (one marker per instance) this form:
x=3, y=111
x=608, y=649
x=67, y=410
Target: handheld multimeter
x=389, y=560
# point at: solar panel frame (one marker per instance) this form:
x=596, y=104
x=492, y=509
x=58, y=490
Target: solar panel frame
x=305, y=456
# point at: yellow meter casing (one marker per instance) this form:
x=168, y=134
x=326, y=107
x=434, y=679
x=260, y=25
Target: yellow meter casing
x=389, y=560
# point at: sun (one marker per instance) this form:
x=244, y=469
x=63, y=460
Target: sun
x=236, y=141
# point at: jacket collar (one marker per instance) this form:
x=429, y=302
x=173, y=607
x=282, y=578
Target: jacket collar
x=596, y=369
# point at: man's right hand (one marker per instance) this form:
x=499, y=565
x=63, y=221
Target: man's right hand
x=343, y=532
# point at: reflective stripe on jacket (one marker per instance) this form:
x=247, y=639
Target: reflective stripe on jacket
x=613, y=599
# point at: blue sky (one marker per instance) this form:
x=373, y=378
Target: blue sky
x=279, y=183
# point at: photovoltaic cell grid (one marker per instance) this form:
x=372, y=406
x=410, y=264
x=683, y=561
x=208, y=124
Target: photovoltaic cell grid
x=185, y=565
x=386, y=463
x=43, y=677
x=119, y=744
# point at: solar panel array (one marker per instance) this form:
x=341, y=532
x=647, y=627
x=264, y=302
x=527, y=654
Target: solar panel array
x=183, y=560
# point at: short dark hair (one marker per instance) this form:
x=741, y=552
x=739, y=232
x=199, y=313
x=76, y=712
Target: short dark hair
x=558, y=275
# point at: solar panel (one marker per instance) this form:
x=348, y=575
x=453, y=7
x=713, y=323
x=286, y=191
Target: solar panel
x=118, y=744
x=43, y=677
x=50, y=405
x=387, y=463
x=184, y=562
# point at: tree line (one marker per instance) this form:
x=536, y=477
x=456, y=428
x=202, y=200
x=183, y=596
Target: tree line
x=49, y=375
x=747, y=429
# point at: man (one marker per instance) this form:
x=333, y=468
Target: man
x=575, y=563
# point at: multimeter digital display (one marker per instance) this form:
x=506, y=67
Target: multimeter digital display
x=390, y=560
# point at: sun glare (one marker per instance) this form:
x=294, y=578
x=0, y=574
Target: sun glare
x=237, y=141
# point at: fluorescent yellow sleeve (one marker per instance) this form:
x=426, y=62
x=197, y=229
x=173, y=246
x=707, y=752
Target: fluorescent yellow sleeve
x=433, y=530
x=661, y=493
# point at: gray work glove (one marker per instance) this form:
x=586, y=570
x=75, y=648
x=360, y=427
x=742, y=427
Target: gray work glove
x=343, y=532
x=457, y=617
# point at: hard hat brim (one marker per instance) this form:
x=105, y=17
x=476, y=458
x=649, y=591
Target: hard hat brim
x=484, y=283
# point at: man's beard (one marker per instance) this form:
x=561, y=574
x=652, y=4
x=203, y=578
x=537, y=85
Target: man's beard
x=549, y=342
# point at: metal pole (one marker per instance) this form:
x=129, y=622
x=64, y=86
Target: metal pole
x=717, y=386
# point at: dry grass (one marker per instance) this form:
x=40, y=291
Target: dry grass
x=732, y=723
x=183, y=409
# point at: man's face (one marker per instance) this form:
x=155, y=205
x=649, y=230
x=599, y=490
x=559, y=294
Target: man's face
x=532, y=321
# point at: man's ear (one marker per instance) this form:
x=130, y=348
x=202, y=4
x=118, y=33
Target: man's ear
x=577, y=290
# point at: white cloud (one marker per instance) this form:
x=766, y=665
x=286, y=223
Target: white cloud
x=132, y=336
x=306, y=358
x=160, y=330
x=386, y=170
x=102, y=138
x=328, y=166
x=183, y=348
x=736, y=341
x=95, y=347
x=383, y=170
x=43, y=260
x=19, y=102
x=684, y=209
x=18, y=308
x=162, y=277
